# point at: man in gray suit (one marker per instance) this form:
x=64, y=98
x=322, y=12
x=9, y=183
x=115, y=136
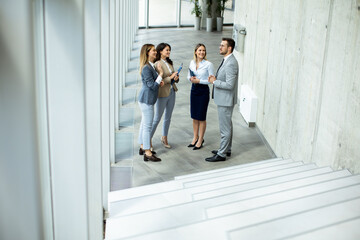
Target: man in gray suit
x=225, y=96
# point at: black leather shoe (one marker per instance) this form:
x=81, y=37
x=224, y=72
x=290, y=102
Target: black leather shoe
x=215, y=158
x=152, y=158
x=228, y=154
x=193, y=145
x=141, y=151
x=197, y=148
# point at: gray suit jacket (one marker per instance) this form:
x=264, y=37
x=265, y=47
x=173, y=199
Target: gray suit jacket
x=226, y=84
x=149, y=91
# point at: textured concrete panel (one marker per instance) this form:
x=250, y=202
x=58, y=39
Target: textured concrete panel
x=302, y=61
x=275, y=65
x=293, y=18
x=332, y=112
x=258, y=83
x=309, y=79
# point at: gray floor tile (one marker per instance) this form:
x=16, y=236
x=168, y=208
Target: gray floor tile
x=120, y=178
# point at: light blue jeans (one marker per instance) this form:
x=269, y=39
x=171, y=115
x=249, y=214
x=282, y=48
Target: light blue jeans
x=167, y=104
x=147, y=115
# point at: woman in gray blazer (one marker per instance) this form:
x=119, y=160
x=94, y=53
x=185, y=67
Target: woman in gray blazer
x=147, y=97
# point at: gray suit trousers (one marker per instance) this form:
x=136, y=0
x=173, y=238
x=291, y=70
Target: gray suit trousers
x=226, y=129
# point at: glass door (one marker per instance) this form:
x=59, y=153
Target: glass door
x=163, y=13
x=187, y=19
x=174, y=13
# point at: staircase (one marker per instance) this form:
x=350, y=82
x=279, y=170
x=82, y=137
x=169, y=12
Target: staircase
x=271, y=199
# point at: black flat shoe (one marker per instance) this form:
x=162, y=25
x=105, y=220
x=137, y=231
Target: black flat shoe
x=152, y=158
x=197, y=148
x=193, y=145
x=215, y=158
x=228, y=154
x=141, y=151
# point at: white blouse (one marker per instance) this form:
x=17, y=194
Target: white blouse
x=167, y=65
x=205, y=69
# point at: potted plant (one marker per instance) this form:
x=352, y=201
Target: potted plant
x=197, y=11
x=209, y=15
x=220, y=9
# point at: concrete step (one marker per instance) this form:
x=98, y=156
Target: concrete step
x=267, y=182
x=129, y=96
x=347, y=199
x=286, y=227
x=144, y=191
x=165, y=199
x=194, y=211
x=347, y=230
x=231, y=173
x=132, y=78
x=134, y=65
x=195, y=176
x=281, y=196
x=178, y=184
x=123, y=150
x=254, y=170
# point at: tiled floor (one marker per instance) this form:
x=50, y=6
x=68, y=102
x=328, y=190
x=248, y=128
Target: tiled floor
x=179, y=160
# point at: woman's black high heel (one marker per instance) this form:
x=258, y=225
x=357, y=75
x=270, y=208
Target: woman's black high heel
x=193, y=145
x=197, y=148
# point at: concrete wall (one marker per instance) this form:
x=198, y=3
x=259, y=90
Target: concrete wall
x=302, y=60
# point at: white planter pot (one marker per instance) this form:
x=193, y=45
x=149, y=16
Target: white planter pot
x=197, y=23
x=208, y=24
x=219, y=24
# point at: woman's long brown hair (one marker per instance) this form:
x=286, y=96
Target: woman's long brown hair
x=161, y=47
x=144, y=55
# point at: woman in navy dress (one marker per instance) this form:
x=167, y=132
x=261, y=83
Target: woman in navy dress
x=199, y=71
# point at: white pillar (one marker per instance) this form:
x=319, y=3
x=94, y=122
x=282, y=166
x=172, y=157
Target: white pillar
x=122, y=50
x=57, y=90
x=112, y=79
x=72, y=31
x=117, y=5
x=93, y=102
x=107, y=141
x=20, y=203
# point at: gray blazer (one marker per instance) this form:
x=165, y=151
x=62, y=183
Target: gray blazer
x=226, y=84
x=149, y=91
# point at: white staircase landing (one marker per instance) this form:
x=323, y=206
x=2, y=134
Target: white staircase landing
x=273, y=199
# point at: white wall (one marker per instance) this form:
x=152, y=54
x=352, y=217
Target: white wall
x=302, y=60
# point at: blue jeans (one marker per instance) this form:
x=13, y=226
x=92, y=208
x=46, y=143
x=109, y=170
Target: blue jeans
x=167, y=104
x=147, y=115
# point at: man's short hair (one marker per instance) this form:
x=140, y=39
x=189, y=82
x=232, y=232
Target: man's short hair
x=230, y=42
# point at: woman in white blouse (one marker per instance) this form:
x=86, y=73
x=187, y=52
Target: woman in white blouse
x=199, y=71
